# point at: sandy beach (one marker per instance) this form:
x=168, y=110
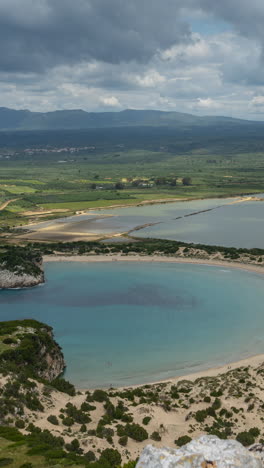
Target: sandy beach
x=173, y=412
x=153, y=258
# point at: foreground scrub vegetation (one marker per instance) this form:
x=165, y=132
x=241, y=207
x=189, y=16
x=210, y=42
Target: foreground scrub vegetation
x=45, y=421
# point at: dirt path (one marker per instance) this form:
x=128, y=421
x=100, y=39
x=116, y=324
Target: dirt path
x=5, y=204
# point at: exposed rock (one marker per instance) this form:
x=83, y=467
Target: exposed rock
x=258, y=449
x=20, y=268
x=204, y=452
x=53, y=359
x=12, y=280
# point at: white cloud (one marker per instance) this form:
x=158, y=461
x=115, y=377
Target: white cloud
x=207, y=103
x=258, y=101
x=110, y=101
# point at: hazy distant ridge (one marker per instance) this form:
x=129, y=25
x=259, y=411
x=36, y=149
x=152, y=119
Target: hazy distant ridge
x=11, y=119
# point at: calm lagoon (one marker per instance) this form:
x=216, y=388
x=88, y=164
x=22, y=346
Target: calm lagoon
x=225, y=223
x=126, y=323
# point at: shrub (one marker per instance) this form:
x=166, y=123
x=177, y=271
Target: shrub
x=183, y=440
x=11, y=433
x=53, y=420
x=83, y=428
x=74, y=446
x=155, y=436
x=100, y=396
x=201, y=416
x=68, y=421
x=136, y=432
x=6, y=461
x=123, y=440
x=146, y=420
x=9, y=341
x=254, y=431
x=216, y=404
x=216, y=393
x=111, y=456
x=20, y=424
x=130, y=464
x=90, y=456
x=207, y=399
x=245, y=438
x=127, y=418
x=121, y=430
x=87, y=407
x=26, y=465
x=64, y=386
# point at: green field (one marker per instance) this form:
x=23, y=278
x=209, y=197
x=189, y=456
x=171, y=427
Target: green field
x=86, y=181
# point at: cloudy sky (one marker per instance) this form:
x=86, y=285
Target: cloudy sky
x=197, y=56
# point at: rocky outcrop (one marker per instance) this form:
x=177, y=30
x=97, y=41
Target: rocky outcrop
x=53, y=363
x=34, y=351
x=258, y=449
x=12, y=280
x=204, y=452
x=20, y=267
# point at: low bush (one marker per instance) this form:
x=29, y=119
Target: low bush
x=20, y=424
x=155, y=436
x=111, y=456
x=245, y=438
x=183, y=440
x=90, y=456
x=123, y=440
x=136, y=432
x=53, y=420
x=6, y=461
x=146, y=420
x=64, y=386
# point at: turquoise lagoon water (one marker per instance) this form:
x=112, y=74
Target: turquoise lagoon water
x=130, y=323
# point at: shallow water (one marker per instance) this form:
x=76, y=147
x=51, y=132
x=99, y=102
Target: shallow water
x=237, y=225
x=126, y=323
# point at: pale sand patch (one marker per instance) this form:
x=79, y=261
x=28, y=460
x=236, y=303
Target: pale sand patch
x=150, y=259
x=171, y=424
x=44, y=212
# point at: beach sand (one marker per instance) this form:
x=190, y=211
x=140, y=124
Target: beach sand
x=241, y=384
x=242, y=394
x=152, y=258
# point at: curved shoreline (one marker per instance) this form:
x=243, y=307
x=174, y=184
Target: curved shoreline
x=153, y=258
x=253, y=361
x=210, y=371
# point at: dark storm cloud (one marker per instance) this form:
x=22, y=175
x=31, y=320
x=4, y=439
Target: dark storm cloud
x=36, y=35
x=202, y=56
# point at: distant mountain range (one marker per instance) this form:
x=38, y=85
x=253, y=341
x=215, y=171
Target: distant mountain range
x=11, y=119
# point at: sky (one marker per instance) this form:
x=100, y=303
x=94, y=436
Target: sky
x=204, y=57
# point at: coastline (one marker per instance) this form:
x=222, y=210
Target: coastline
x=213, y=371
x=252, y=361
x=159, y=201
x=150, y=259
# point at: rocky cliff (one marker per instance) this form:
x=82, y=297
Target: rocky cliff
x=20, y=268
x=32, y=349
x=204, y=452
x=13, y=280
